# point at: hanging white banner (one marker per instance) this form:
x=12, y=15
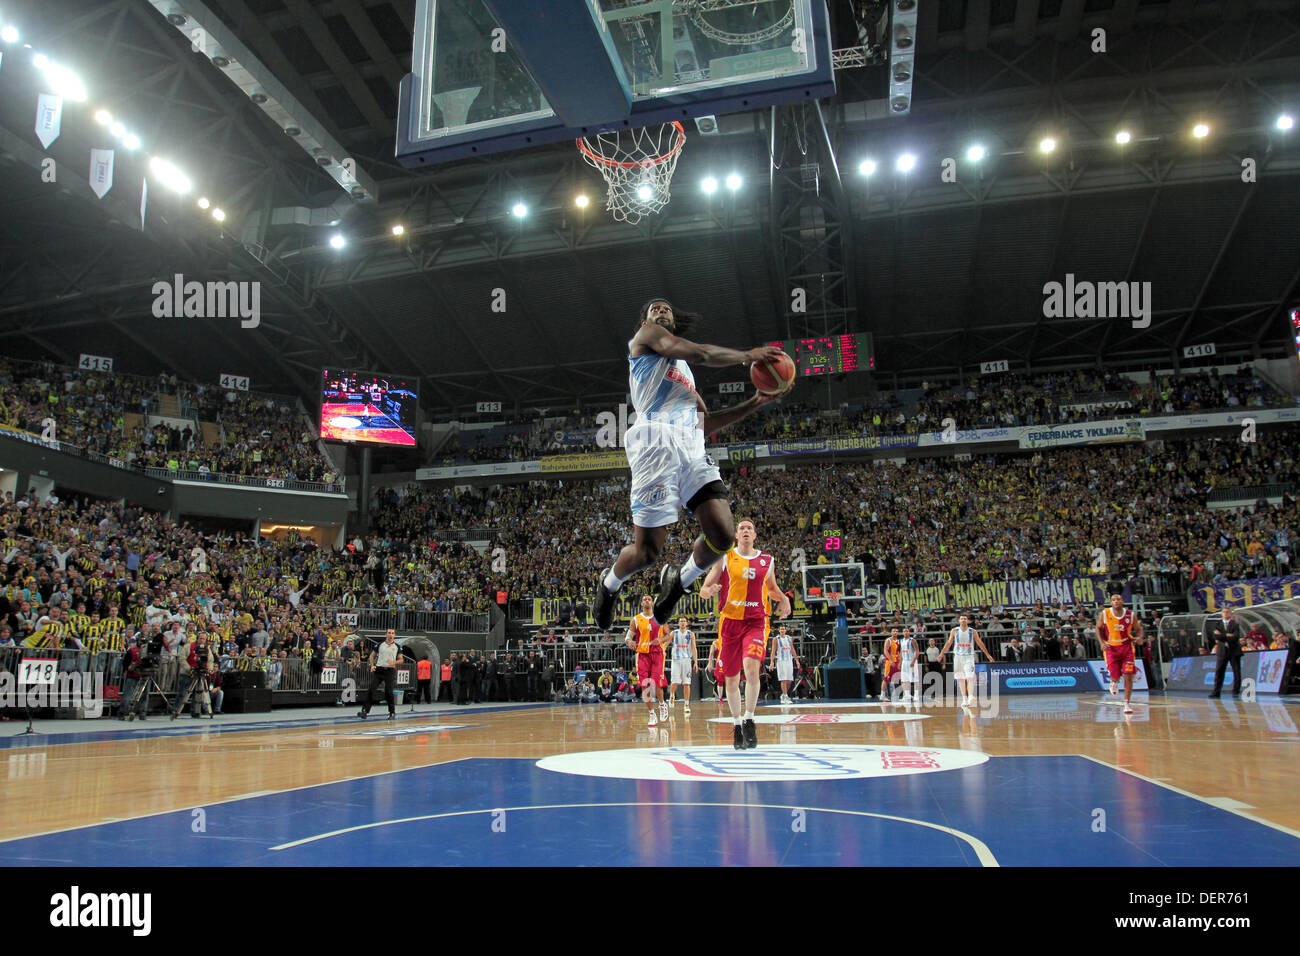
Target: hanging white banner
x=49, y=118
x=144, y=198
x=101, y=171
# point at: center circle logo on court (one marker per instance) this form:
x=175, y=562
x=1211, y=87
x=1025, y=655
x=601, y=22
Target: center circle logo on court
x=843, y=762
x=795, y=719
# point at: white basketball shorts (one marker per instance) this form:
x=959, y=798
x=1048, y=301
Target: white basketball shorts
x=785, y=670
x=681, y=671
x=669, y=465
x=963, y=667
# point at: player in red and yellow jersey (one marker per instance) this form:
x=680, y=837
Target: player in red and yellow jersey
x=714, y=667
x=892, y=668
x=649, y=639
x=747, y=579
x=1118, y=629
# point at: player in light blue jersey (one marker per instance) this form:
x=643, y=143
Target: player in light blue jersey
x=665, y=451
x=686, y=662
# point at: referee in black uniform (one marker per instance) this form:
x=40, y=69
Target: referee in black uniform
x=383, y=667
x=1226, y=634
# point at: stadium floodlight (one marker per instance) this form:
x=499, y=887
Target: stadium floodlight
x=867, y=167
x=975, y=153
x=170, y=176
x=103, y=117
x=1201, y=130
x=1123, y=137
x=733, y=182
x=117, y=129
x=62, y=80
x=9, y=34
x=905, y=163
x=219, y=214
x=581, y=200
x=709, y=185
x=203, y=202
x=1046, y=144
x=519, y=210
x=131, y=141
x=337, y=241
x=399, y=229
x=1285, y=121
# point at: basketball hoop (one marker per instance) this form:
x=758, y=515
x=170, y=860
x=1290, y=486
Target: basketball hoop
x=637, y=165
x=833, y=598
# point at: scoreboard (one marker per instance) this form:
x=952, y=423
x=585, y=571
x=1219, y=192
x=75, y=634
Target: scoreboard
x=830, y=354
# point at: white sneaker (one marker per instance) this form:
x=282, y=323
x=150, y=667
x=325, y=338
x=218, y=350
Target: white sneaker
x=785, y=698
x=663, y=711
x=653, y=721
x=1114, y=688
x=686, y=711
x=1128, y=708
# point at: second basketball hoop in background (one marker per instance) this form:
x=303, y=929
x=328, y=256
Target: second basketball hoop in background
x=637, y=165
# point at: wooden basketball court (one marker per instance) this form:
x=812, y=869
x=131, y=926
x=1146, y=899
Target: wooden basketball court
x=1042, y=780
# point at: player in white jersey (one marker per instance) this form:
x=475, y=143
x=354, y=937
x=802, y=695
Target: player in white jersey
x=785, y=657
x=686, y=662
x=910, y=676
x=962, y=639
x=665, y=451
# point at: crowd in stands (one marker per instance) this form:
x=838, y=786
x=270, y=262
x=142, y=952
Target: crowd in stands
x=1015, y=516
x=259, y=436
x=1004, y=400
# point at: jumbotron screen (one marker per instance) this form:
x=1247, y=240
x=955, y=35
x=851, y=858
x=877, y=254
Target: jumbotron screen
x=359, y=406
x=829, y=354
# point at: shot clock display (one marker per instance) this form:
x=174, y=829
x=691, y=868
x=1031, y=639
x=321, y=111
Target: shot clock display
x=830, y=354
x=834, y=538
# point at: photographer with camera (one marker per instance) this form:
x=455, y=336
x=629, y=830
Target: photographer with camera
x=135, y=673
x=203, y=671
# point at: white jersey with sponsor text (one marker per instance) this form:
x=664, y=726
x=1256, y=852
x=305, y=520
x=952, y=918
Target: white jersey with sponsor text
x=682, y=645
x=963, y=641
x=907, y=646
x=784, y=648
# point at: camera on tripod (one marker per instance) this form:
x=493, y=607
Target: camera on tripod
x=150, y=654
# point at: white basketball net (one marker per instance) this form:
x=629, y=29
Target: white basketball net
x=637, y=165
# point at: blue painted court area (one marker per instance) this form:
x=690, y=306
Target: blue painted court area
x=1009, y=811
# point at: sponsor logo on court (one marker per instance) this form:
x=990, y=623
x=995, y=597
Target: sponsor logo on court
x=404, y=731
x=844, y=762
x=1040, y=682
x=789, y=719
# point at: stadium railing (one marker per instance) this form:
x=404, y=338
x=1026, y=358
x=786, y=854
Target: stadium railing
x=288, y=484
x=399, y=619
x=337, y=487
x=1250, y=493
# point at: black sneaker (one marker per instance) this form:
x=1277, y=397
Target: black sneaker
x=362, y=715
x=670, y=592
x=751, y=734
x=604, y=608
x=738, y=738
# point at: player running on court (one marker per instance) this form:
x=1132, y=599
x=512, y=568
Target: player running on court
x=645, y=634
x=686, y=662
x=665, y=451
x=1118, y=630
x=786, y=659
x=962, y=639
x=747, y=579
x=713, y=666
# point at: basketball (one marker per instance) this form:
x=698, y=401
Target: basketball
x=773, y=378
